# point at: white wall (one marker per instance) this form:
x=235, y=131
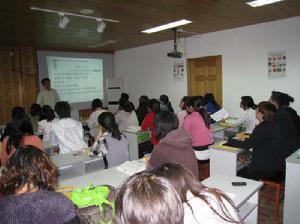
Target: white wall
x=147, y=70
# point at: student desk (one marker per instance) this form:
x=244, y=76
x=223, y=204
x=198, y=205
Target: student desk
x=245, y=198
x=112, y=176
x=224, y=161
x=292, y=182
x=74, y=164
x=218, y=131
x=136, y=139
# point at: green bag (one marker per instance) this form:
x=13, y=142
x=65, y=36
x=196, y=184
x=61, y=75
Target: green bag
x=94, y=205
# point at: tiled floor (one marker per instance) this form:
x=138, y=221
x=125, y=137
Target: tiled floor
x=266, y=212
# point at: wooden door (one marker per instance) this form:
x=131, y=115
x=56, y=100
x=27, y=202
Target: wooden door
x=205, y=76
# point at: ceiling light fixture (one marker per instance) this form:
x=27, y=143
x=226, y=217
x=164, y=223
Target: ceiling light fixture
x=167, y=26
x=101, y=26
x=63, y=21
x=258, y=3
x=86, y=11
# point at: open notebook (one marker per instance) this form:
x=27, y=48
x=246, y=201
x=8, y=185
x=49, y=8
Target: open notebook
x=132, y=167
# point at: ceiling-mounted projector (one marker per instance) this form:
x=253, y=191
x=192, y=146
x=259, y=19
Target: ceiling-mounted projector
x=175, y=53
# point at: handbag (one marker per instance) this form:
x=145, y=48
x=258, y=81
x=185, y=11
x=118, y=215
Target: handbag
x=94, y=204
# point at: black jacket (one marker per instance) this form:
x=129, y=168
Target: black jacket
x=141, y=113
x=295, y=117
x=268, y=147
x=288, y=131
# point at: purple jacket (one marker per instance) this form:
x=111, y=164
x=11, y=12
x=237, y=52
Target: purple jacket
x=175, y=147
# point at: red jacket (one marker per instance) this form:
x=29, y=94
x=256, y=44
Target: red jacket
x=148, y=123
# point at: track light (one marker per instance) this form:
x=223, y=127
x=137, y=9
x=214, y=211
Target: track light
x=63, y=21
x=101, y=25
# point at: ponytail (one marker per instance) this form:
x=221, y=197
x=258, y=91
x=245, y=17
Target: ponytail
x=115, y=132
x=197, y=102
x=107, y=121
x=14, y=140
x=205, y=116
x=248, y=102
x=287, y=99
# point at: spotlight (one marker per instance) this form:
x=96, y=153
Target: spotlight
x=63, y=21
x=101, y=26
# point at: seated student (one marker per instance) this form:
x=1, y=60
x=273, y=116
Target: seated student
x=148, y=199
x=124, y=98
x=267, y=144
x=211, y=104
x=248, y=118
x=287, y=99
x=197, y=124
x=165, y=104
x=47, y=116
x=126, y=117
x=27, y=185
x=21, y=134
x=201, y=204
x=286, y=124
x=97, y=106
x=142, y=110
x=110, y=142
x=174, y=144
x=181, y=115
x=66, y=133
x=15, y=113
x=148, y=122
x=34, y=115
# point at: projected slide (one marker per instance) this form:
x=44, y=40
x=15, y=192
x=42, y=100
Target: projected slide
x=76, y=79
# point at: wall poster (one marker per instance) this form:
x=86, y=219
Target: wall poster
x=277, y=64
x=178, y=70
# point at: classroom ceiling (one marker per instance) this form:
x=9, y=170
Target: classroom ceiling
x=21, y=26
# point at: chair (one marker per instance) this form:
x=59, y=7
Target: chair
x=269, y=194
x=203, y=169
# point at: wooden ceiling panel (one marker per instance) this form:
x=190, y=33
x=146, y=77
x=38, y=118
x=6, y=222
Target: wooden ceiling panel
x=22, y=26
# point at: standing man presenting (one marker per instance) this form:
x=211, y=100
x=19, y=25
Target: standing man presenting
x=47, y=96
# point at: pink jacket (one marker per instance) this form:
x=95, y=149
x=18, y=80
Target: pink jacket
x=195, y=126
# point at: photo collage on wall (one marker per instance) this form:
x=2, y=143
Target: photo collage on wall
x=178, y=70
x=277, y=64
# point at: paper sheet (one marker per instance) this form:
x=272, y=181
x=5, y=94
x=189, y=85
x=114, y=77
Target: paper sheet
x=132, y=167
x=219, y=115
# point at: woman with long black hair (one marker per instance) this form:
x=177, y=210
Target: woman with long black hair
x=110, y=143
x=197, y=124
x=21, y=134
x=247, y=118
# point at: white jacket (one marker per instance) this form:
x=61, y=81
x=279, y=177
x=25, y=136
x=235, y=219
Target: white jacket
x=247, y=119
x=68, y=135
x=93, y=122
